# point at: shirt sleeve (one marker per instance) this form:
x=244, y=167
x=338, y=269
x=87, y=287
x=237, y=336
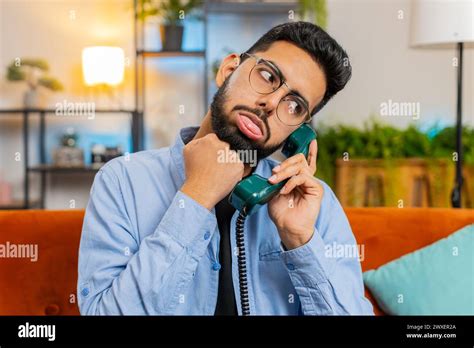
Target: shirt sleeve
x=326, y=271
x=117, y=275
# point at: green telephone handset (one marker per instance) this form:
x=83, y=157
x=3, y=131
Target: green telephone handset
x=254, y=191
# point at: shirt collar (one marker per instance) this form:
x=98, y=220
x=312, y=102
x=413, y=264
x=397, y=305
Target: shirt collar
x=184, y=136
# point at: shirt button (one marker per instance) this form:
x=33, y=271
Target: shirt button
x=216, y=266
x=85, y=292
x=207, y=235
x=290, y=266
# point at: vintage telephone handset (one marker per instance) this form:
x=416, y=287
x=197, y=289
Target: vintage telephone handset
x=255, y=191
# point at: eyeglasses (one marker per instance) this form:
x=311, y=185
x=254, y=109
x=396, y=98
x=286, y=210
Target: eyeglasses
x=265, y=78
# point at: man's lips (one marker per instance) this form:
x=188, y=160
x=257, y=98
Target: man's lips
x=250, y=125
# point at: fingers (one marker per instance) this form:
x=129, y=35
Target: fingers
x=312, y=156
x=292, y=166
x=308, y=182
x=290, y=161
x=286, y=172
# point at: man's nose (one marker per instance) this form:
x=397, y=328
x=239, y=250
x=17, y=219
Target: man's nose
x=269, y=102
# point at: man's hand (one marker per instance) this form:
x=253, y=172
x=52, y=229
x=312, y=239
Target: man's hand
x=209, y=178
x=296, y=208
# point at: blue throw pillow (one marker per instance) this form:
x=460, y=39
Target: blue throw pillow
x=435, y=280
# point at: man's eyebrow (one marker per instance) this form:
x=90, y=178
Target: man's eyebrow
x=293, y=91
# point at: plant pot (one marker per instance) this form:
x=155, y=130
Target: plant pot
x=30, y=99
x=171, y=37
x=408, y=182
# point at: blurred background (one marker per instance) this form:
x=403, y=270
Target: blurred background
x=85, y=81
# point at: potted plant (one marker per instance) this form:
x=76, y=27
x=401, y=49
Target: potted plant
x=172, y=12
x=33, y=72
x=403, y=166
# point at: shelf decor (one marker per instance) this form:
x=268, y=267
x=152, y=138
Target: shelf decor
x=43, y=168
x=68, y=154
x=172, y=12
x=33, y=72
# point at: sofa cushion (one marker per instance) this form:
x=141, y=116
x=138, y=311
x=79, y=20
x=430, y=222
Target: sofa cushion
x=434, y=280
x=388, y=233
x=38, y=269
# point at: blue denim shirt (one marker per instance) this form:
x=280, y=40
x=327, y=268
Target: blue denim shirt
x=149, y=249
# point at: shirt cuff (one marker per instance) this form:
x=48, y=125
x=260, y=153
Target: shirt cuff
x=309, y=262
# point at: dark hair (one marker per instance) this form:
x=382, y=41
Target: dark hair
x=325, y=51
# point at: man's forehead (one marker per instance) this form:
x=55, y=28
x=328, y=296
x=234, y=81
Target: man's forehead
x=299, y=69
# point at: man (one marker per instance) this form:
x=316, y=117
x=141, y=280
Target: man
x=159, y=233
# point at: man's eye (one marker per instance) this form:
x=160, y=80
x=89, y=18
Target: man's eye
x=294, y=108
x=268, y=76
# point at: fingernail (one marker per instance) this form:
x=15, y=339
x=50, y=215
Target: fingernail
x=272, y=178
x=283, y=190
x=277, y=168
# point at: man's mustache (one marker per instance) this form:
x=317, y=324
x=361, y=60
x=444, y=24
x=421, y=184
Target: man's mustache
x=261, y=114
x=257, y=112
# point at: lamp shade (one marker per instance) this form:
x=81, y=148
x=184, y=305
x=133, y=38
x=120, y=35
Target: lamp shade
x=437, y=22
x=103, y=65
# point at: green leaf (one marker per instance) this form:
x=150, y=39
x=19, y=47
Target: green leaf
x=379, y=141
x=15, y=73
x=34, y=63
x=50, y=83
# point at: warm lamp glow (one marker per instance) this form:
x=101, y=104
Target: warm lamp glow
x=103, y=65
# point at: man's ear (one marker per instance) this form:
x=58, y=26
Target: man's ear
x=228, y=65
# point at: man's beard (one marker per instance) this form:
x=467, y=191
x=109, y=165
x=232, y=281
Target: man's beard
x=230, y=133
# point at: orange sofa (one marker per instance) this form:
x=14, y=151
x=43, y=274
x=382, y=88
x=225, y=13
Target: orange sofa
x=48, y=286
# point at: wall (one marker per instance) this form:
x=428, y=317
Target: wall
x=386, y=68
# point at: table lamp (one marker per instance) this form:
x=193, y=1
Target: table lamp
x=103, y=66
